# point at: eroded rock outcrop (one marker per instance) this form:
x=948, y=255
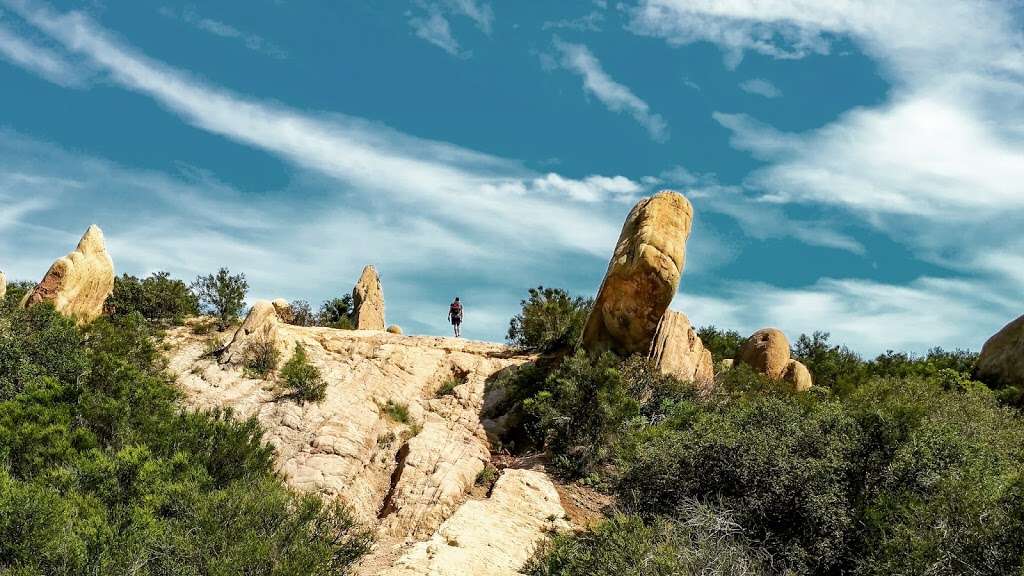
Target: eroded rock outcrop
x=1001, y=362
x=3, y=285
x=642, y=277
x=78, y=284
x=412, y=478
x=767, y=352
x=678, y=351
x=368, y=301
x=487, y=536
x=798, y=376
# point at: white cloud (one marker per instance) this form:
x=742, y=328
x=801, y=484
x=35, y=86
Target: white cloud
x=38, y=59
x=761, y=87
x=434, y=28
x=617, y=97
x=590, y=22
x=430, y=22
x=868, y=316
x=939, y=166
x=254, y=42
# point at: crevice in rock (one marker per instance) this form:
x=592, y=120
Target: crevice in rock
x=388, y=506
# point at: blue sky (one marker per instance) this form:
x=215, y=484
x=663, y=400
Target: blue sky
x=856, y=167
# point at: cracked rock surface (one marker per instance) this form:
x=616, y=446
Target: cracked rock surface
x=409, y=476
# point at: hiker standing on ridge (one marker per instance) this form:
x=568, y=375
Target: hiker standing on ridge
x=455, y=316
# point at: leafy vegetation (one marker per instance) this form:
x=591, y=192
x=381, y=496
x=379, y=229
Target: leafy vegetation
x=102, y=473
x=398, y=411
x=260, y=357
x=447, y=388
x=222, y=295
x=900, y=464
x=550, y=319
x=157, y=298
x=302, y=378
x=337, y=313
x=301, y=314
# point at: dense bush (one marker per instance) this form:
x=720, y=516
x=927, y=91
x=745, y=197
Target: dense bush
x=302, y=379
x=157, y=297
x=102, y=473
x=301, y=314
x=705, y=542
x=261, y=357
x=15, y=292
x=222, y=295
x=337, y=313
x=550, y=319
x=722, y=343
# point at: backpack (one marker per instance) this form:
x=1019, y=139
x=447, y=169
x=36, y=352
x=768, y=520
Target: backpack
x=456, y=310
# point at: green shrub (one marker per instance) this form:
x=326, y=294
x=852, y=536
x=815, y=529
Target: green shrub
x=102, y=473
x=301, y=314
x=15, y=292
x=398, y=411
x=222, y=295
x=260, y=357
x=336, y=313
x=156, y=298
x=550, y=319
x=302, y=378
x=721, y=343
x=703, y=541
x=447, y=388
x=487, y=475
x=575, y=411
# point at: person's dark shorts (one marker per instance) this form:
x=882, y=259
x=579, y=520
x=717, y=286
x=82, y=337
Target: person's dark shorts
x=456, y=320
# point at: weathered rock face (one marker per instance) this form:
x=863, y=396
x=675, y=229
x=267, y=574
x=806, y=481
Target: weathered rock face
x=412, y=481
x=3, y=285
x=678, y=351
x=798, y=376
x=78, y=284
x=1001, y=362
x=766, y=351
x=283, y=309
x=260, y=325
x=642, y=277
x=394, y=329
x=487, y=536
x=368, y=301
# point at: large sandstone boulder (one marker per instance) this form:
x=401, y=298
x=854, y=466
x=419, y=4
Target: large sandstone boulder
x=3, y=285
x=368, y=301
x=260, y=325
x=678, y=351
x=78, y=284
x=798, y=376
x=642, y=277
x=1001, y=362
x=767, y=352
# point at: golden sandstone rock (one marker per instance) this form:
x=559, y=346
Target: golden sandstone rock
x=368, y=301
x=3, y=285
x=1001, y=362
x=78, y=284
x=642, y=277
x=767, y=352
x=677, y=350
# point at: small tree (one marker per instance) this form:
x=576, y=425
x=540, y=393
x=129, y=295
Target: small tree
x=302, y=314
x=158, y=298
x=302, y=378
x=722, y=343
x=222, y=295
x=336, y=313
x=550, y=319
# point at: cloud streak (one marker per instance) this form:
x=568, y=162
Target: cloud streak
x=253, y=42
x=760, y=87
x=616, y=97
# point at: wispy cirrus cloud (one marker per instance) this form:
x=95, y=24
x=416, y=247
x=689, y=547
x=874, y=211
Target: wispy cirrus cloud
x=760, y=87
x=254, y=42
x=590, y=22
x=38, y=59
x=937, y=166
x=429, y=22
x=616, y=97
